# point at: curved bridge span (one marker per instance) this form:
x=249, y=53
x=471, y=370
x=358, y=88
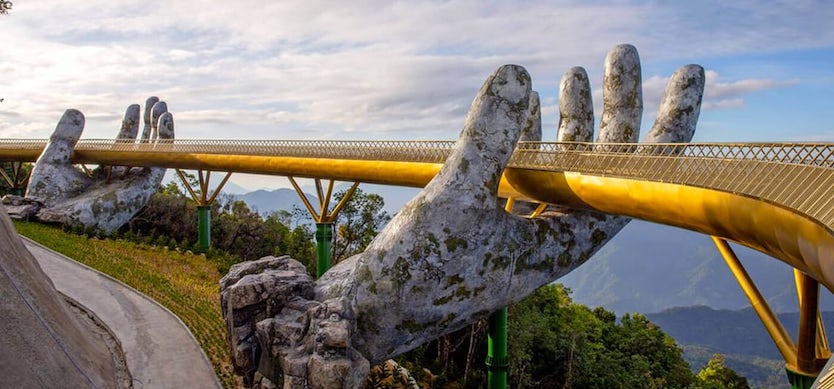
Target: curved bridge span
x=777, y=198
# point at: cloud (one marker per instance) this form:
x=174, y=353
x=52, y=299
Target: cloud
x=353, y=69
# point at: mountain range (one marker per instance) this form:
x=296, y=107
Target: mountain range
x=738, y=334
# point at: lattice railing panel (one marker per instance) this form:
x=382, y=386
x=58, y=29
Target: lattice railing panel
x=795, y=175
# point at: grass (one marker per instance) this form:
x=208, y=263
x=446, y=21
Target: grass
x=185, y=283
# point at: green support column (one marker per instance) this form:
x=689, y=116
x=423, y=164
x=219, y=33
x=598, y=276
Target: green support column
x=324, y=238
x=203, y=227
x=799, y=380
x=497, y=361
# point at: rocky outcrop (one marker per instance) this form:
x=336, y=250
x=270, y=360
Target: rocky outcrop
x=43, y=344
x=451, y=256
x=280, y=335
x=58, y=192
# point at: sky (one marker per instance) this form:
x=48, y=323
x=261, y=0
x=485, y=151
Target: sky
x=401, y=69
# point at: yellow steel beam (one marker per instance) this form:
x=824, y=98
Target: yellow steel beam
x=188, y=187
x=9, y=181
x=219, y=187
x=539, y=210
x=806, y=354
x=823, y=350
x=774, y=328
x=341, y=205
x=317, y=217
x=791, y=236
x=509, y=205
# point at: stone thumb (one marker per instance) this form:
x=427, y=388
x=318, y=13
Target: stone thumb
x=495, y=121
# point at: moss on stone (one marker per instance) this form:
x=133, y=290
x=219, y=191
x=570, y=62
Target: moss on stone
x=598, y=237
x=410, y=326
x=453, y=243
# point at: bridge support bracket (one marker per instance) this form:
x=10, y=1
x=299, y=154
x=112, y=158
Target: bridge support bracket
x=18, y=178
x=324, y=217
x=204, y=227
x=799, y=380
x=324, y=239
x=204, y=199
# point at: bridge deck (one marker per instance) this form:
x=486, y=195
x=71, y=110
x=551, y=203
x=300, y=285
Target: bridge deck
x=774, y=197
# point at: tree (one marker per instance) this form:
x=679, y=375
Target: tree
x=358, y=223
x=9, y=172
x=715, y=375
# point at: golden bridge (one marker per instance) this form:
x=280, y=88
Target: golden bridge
x=777, y=198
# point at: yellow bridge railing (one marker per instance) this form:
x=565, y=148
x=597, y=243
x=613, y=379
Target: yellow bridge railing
x=798, y=176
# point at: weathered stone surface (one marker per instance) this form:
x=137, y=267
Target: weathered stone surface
x=451, y=256
x=532, y=131
x=108, y=198
x=680, y=107
x=42, y=343
x=622, y=96
x=576, y=107
x=149, y=103
x=21, y=208
x=130, y=124
x=54, y=178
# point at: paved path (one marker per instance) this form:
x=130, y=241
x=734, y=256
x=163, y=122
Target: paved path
x=160, y=351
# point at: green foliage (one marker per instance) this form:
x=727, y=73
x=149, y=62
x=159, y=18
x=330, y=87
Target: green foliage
x=563, y=344
x=21, y=177
x=358, y=223
x=555, y=343
x=237, y=232
x=715, y=375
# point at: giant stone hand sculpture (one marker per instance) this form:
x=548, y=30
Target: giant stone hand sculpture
x=109, y=197
x=452, y=255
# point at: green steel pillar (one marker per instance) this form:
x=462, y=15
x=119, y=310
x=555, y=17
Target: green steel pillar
x=324, y=238
x=203, y=227
x=799, y=380
x=497, y=361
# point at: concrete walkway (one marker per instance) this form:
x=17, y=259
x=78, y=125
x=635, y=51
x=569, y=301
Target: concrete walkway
x=159, y=349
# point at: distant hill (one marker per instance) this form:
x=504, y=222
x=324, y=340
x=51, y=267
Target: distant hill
x=265, y=201
x=703, y=331
x=229, y=188
x=650, y=267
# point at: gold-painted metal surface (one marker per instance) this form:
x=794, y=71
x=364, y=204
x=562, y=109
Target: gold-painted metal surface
x=822, y=349
x=772, y=324
x=205, y=196
x=777, y=198
x=539, y=210
x=18, y=176
x=510, y=204
x=324, y=214
x=806, y=353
